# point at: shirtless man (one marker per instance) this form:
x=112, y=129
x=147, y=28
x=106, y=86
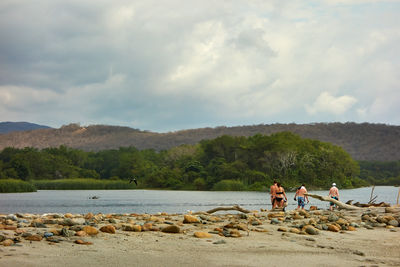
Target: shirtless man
x=301, y=197
x=333, y=193
x=273, y=188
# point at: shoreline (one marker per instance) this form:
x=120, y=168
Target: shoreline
x=274, y=238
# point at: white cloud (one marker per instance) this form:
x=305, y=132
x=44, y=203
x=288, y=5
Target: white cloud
x=325, y=102
x=181, y=64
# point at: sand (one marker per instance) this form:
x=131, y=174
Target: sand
x=379, y=246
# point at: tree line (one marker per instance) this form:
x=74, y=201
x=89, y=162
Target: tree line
x=223, y=163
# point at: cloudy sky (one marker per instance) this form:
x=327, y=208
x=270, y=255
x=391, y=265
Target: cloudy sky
x=171, y=65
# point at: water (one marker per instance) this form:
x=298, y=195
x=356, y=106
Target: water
x=153, y=201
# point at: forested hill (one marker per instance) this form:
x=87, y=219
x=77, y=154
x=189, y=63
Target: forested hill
x=364, y=141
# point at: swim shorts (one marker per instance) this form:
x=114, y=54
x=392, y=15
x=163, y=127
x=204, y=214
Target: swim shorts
x=301, y=202
x=332, y=202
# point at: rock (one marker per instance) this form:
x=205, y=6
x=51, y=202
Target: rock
x=275, y=221
x=333, y=228
x=47, y=234
x=325, y=227
x=311, y=230
x=313, y=207
x=276, y=214
x=389, y=227
x=132, y=227
x=298, y=217
x=333, y=217
x=90, y=230
x=282, y=229
x=312, y=221
x=390, y=210
x=351, y=228
x=242, y=226
x=147, y=227
x=342, y=222
x=7, y=242
x=202, y=235
x=11, y=217
x=108, y=229
x=394, y=223
x=190, y=219
x=294, y=230
x=81, y=233
x=81, y=242
x=171, y=229
x=34, y=238
x=89, y=216
x=67, y=233
x=234, y=233
x=219, y=242
x=369, y=227
x=68, y=215
x=354, y=225
x=78, y=221
x=2, y=238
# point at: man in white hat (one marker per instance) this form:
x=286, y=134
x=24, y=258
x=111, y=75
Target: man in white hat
x=333, y=193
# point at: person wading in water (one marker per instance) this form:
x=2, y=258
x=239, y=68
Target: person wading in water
x=273, y=194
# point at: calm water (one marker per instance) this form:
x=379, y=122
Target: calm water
x=153, y=201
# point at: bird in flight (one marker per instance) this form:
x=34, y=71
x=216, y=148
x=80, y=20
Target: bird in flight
x=134, y=180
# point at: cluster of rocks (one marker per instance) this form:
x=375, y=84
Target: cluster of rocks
x=54, y=228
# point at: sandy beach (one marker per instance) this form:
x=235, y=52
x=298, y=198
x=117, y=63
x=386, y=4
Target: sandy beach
x=366, y=237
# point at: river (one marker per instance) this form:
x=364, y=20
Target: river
x=153, y=201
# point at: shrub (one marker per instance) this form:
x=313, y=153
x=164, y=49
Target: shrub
x=13, y=186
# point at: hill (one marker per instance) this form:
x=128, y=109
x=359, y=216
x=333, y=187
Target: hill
x=8, y=126
x=364, y=141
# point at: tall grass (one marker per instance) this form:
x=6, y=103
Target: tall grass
x=13, y=186
x=81, y=184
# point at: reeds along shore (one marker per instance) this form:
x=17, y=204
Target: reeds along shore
x=81, y=228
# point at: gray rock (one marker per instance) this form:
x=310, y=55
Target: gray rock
x=394, y=223
x=325, y=227
x=275, y=221
x=219, y=242
x=333, y=217
x=47, y=234
x=67, y=233
x=38, y=225
x=11, y=217
x=311, y=230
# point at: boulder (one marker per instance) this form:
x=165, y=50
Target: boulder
x=108, y=229
x=394, y=223
x=132, y=227
x=171, y=229
x=34, y=238
x=311, y=230
x=202, y=235
x=333, y=228
x=190, y=219
x=294, y=230
x=282, y=229
x=7, y=242
x=90, y=230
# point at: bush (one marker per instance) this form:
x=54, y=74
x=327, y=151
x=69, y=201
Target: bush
x=229, y=185
x=13, y=186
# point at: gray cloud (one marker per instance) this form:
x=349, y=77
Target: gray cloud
x=181, y=64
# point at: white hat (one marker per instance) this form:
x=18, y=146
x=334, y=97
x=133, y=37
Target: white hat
x=334, y=184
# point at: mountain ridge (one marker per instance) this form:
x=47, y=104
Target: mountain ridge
x=363, y=141
x=9, y=126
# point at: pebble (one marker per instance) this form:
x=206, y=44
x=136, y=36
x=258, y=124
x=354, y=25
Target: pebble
x=219, y=242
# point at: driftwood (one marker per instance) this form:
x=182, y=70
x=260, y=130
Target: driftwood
x=235, y=207
x=337, y=202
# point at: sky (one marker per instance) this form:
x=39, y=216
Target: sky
x=170, y=65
